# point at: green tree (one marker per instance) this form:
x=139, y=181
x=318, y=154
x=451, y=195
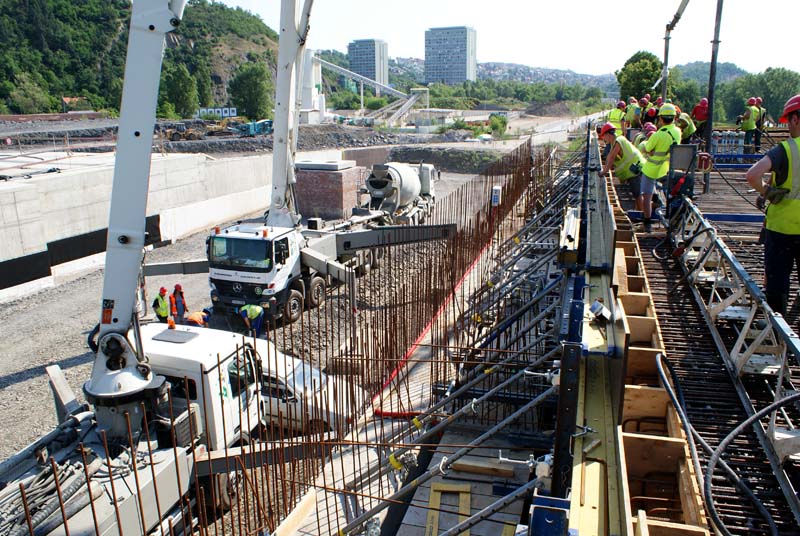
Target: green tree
x=638, y=74
x=181, y=91
x=375, y=103
x=28, y=97
x=205, y=92
x=251, y=90
x=498, y=124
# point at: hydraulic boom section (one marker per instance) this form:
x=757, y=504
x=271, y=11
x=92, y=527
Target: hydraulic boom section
x=291, y=45
x=120, y=373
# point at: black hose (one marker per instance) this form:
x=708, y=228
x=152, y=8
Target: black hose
x=698, y=264
x=715, y=457
x=679, y=403
x=91, y=340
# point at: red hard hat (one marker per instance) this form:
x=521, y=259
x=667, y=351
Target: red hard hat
x=606, y=129
x=751, y=101
x=792, y=105
x=659, y=100
x=647, y=96
x=643, y=102
x=621, y=104
x=178, y=287
x=758, y=100
x=704, y=101
x=652, y=112
x=162, y=290
x=649, y=127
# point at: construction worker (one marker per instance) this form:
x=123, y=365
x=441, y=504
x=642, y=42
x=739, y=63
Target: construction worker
x=253, y=316
x=685, y=123
x=700, y=114
x=651, y=115
x=782, y=233
x=198, y=318
x=633, y=114
x=657, y=151
x=161, y=305
x=760, y=124
x=624, y=158
x=644, y=135
x=617, y=116
x=177, y=304
x=748, y=121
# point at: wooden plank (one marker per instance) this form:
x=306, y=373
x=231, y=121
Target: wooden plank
x=647, y=453
x=493, y=467
x=642, y=363
x=620, y=272
x=642, y=401
x=636, y=283
x=643, y=330
x=691, y=499
x=641, y=524
x=637, y=304
x=665, y=528
x=437, y=509
x=294, y=520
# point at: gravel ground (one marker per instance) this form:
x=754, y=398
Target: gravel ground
x=50, y=328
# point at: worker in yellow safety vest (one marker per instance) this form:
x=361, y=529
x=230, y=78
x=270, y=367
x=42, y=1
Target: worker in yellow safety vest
x=161, y=305
x=624, y=158
x=617, y=116
x=687, y=126
x=253, y=316
x=782, y=233
x=748, y=120
x=657, y=152
x=633, y=114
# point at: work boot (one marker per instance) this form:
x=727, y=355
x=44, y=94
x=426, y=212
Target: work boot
x=648, y=226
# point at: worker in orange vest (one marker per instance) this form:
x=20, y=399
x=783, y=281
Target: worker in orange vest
x=198, y=318
x=177, y=304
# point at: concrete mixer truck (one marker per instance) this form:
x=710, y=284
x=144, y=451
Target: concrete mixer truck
x=285, y=267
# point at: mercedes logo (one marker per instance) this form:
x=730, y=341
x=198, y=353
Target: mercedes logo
x=237, y=287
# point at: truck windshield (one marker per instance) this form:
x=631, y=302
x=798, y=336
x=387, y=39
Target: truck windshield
x=241, y=253
x=306, y=377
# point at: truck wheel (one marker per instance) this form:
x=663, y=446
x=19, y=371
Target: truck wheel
x=294, y=306
x=175, y=137
x=316, y=292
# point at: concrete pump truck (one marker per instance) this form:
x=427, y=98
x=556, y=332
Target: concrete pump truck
x=161, y=401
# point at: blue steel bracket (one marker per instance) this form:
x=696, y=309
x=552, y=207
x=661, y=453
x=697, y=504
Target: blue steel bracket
x=549, y=516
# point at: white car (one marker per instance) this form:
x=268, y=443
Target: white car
x=300, y=397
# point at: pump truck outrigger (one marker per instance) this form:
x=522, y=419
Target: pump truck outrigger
x=138, y=458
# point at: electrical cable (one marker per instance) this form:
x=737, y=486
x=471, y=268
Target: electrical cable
x=679, y=403
x=737, y=192
x=715, y=457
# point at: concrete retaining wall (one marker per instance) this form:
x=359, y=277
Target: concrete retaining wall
x=56, y=224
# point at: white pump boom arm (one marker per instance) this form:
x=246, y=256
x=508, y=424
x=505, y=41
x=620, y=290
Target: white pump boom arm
x=117, y=370
x=291, y=45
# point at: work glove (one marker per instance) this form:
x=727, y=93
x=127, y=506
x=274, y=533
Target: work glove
x=761, y=202
x=774, y=195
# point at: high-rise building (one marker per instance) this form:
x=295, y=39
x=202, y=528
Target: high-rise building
x=370, y=58
x=450, y=55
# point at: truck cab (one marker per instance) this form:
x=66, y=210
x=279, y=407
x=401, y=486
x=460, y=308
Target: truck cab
x=214, y=371
x=252, y=263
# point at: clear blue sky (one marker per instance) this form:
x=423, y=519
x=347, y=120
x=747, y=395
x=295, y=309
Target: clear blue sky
x=585, y=36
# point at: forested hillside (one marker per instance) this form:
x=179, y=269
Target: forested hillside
x=55, y=48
